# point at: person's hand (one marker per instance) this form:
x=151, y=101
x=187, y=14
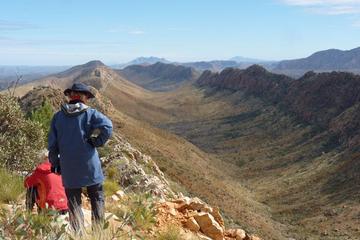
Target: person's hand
x=56, y=170
x=92, y=141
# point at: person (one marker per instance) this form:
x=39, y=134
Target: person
x=45, y=189
x=72, y=152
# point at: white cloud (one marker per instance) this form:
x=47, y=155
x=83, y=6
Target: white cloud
x=330, y=7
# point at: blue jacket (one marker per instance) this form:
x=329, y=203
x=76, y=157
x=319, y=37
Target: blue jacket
x=69, y=147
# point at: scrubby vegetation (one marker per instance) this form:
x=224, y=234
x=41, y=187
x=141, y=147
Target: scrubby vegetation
x=138, y=211
x=171, y=233
x=20, y=139
x=43, y=116
x=110, y=187
x=11, y=187
x=19, y=224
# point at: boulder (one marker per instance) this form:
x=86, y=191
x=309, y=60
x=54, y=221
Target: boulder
x=192, y=225
x=251, y=237
x=238, y=234
x=194, y=204
x=209, y=226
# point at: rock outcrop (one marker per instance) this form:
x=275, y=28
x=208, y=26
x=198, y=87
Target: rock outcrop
x=197, y=216
x=136, y=171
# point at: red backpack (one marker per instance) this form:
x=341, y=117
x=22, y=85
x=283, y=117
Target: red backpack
x=49, y=186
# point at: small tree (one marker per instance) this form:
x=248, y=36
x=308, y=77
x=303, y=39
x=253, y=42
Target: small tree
x=20, y=139
x=43, y=116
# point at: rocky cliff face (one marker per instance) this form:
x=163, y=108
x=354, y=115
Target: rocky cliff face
x=254, y=80
x=318, y=98
x=325, y=100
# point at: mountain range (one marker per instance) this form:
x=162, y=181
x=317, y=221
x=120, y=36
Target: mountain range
x=322, y=61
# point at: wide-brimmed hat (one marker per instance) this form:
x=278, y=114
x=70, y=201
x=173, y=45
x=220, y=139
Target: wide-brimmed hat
x=79, y=87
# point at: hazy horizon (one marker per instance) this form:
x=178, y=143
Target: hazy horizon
x=64, y=33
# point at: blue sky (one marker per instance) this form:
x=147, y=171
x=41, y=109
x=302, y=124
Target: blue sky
x=67, y=32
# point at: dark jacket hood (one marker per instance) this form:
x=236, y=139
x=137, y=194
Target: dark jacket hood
x=74, y=109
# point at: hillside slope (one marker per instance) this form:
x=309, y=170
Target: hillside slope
x=159, y=76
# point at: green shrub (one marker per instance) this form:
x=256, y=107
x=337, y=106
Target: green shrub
x=138, y=211
x=112, y=173
x=49, y=225
x=43, y=116
x=20, y=139
x=110, y=187
x=11, y=187
x=20, y=224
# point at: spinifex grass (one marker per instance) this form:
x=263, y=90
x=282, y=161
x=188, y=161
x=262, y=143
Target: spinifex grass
x=11, y=186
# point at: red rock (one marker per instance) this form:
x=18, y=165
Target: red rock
x=209, y=226
x=192, y=225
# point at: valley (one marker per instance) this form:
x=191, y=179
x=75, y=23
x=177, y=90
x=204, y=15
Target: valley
x=282, y=145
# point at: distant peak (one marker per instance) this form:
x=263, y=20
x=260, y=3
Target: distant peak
x=151, y=58
x=94, y=63
x=256, y=69
x=240, y=59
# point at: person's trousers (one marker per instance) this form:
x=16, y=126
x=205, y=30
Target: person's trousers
x=96, y=196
